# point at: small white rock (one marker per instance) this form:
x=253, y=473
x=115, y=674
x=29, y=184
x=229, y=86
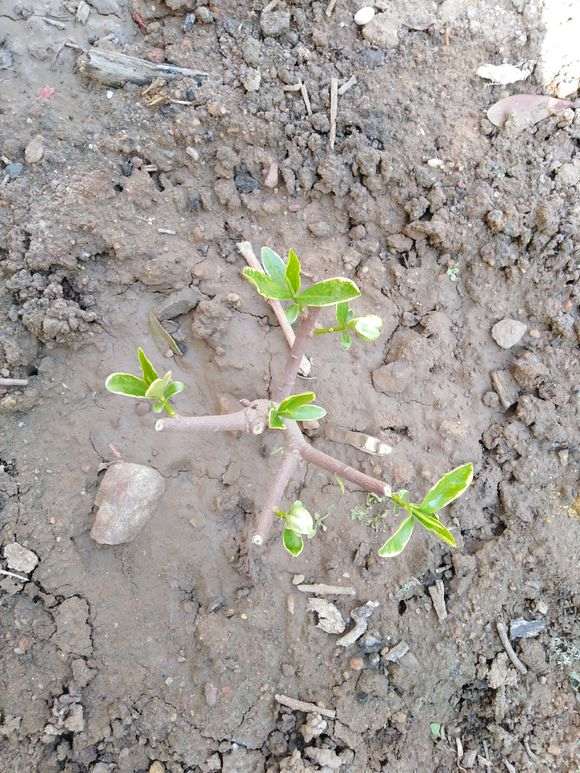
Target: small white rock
x=34, y=150
x=364, y=15
x=504, y=74
x=508, y=332
x=19, y=558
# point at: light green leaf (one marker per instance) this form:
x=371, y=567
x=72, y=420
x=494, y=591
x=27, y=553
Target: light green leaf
x=126, y=384
x=147, y=369
x=174, y=389
x=266, y=286
x=434, y=525
x=328, y=292
x=292, y=542
x=308, y=413
x=292, y=313
x=159, y=406
x=345, y=341
x=295, y=401
x=342, y=313
x=299, y=520
x=447, y=488
x=368, y=328
x=156, y=390
x=274, y=266
x=274, y=420
x=293, y=271
x=399, y=539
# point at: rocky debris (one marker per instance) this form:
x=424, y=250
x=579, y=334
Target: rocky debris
x=13, y=170
x=500, y=673
x=19, y=558
x=504, y=74
x=528, y=370
x=364, y=15
x=156, y=767
x=126, y=500
x=394, y=654
x=330, y=619
x=67, y=717
x=508, y=332
x=326, y=758
x=73, y=631
x=506, y=388
x=274, y=23
x=34, y=151
x=361, y=616
x=210, y=693
x=382, y=31
x=314, y=726
x=526, y=629
x=251, y=79
x=178, y=303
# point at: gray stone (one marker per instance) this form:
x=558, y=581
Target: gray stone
x=34, y=151
x=506, y=388
x=275, y=23
x=106, y=7
x=126, y=500
x=526, y=629
x=178, y=303
x=382, y=31
x=14, y=170
x=19, y=558
x=508, y=332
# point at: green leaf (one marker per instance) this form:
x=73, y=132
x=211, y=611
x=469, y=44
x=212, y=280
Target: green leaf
x=293, y=271
x=328, y=292
x=147, y=369
x=156, y=390
x=274, y=420
x=434, y=525
x=126, y=384
x=397, y=542
x=368, y=328
x=292, y=313
x=447, y=488
x=274, y=266
x=174, y=389
x=266, y=286
x=345, y=341
x=292, y=542
x=308, y=413
x=342, y=313
x=295, y=401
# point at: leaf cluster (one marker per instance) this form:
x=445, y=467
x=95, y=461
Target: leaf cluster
x=148, y=386
x=297, y=407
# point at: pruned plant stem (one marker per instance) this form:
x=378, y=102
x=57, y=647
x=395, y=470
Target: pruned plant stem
x=253, y=419
x=276, y=494
x=305, y=329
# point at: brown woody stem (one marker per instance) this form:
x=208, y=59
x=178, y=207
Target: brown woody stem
x=305, y=329
x=275, y=496
x=253, y=419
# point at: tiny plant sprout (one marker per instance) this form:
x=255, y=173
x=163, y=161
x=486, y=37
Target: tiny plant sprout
x=147, y=386
x=280, y=281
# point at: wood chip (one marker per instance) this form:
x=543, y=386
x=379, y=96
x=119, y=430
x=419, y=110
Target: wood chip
x=115, y=69
x=333, y=111
x=503, y=635
x=306, y=98
x=296, y=705
x=437, y=593
x=394, y=654
x=327, y=590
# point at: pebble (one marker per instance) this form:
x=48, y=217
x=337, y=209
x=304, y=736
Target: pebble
x=382, y=31
x=6, y=59
x=508, y=332
x=157, y=767
x=252, y=79
x=364, y=15
x=275, y=23
x=204, y=15
x=357, y=664
x=526, y=629
x=394, y=654
x=370, y=643
x=19, y=558
x=126, y=500
x=211, y=693
x=298, y=579
x=14, y=170
x=271, y=179
x=188, y=22
x=245, y=183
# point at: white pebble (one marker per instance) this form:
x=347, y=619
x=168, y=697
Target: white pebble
x=364, y=15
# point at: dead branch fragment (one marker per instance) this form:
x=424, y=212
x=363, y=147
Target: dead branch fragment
x=321, y=589
x=330, y=7
x=333, y=111
x=304, y=706
x=306, y=98
x=360, y=615
x=503, y=635
x=115, y=69
x=352, y=81
x=437, y=593
x=6, y=382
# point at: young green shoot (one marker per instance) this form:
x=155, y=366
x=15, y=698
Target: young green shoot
x=148, y=386
x=296, y=408
x=297, y=524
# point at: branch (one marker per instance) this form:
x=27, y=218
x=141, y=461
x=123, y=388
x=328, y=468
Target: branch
x=266, y=514
x=305, y=328
x=247, y=252
x=253, y=419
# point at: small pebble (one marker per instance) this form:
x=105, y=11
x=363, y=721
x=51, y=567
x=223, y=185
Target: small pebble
x=14, y=170
x=211, y=694
x=19, y=558
x=526, y=629
x=364, y=15
x=508, y=332
x=157, y=767
x=357, y=664
x=204, y=15
x=298, y=579
x=188, y=22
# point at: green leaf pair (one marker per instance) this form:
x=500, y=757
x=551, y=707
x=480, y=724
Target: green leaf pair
x=149, y=386
x=298, y=523
x=297, y=408
x=368, y=327
x=281, y=281
x=446, y=490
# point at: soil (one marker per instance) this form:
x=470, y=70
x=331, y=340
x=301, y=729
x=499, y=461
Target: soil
x=163, y=654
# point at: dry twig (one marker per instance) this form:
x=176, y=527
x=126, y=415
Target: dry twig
x=503, y=635
x=304, y=706
x=6, y=382
x=327, y=590
x=333, y=111
x=306, y=98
